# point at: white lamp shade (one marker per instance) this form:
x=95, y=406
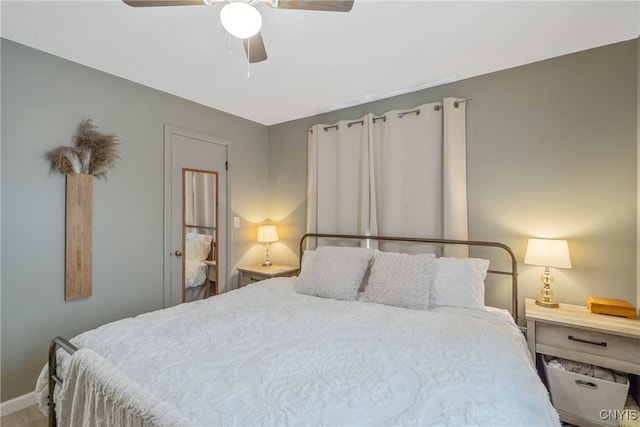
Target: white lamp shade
x=267, y=234
x=241, y=19
x=548, y=253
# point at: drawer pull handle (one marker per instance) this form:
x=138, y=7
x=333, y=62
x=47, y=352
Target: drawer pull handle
x=601, y=343
x=587, y=384
x=255, y=279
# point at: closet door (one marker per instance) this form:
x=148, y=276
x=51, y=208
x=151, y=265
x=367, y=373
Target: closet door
x=187, y=151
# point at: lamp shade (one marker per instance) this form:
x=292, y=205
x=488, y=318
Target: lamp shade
x=548, y=253
x=267, y=234
x=240, y=19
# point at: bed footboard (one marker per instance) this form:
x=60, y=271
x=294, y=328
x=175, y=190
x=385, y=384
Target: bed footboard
x=57, y=342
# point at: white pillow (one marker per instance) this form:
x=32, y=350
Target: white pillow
x=400, y=279
x=197, y=246
x=458, y=282
x=334, y=272
x=308, y=258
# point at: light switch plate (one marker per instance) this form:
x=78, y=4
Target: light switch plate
x=236, y=222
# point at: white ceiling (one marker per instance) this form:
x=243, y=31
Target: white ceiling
x=318, y=61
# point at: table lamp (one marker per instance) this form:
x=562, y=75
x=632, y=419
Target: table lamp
x=267, y=234
x=547, y=253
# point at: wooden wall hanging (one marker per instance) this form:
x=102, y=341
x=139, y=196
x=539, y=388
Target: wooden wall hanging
x=94, y=154
x=78, y=237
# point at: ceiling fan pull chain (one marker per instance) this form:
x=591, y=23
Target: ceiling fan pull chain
x=248, y=58
x=230, y=52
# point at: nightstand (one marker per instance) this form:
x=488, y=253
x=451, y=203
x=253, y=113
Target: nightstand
x=212, y=266
x=573, y=333
x=254, y=273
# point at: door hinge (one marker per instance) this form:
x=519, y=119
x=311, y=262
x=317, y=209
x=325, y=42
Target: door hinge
x=226, y=165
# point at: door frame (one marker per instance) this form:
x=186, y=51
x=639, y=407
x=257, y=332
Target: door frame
x=169, y=131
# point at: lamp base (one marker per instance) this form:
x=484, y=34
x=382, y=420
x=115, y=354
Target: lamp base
x=548, y=304
x=546, y=292
x=267, y=261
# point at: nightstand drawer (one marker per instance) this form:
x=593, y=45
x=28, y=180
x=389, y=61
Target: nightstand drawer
x=248, y=278
x=599, y=348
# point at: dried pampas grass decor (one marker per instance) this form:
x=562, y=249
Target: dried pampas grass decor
x=94, y=153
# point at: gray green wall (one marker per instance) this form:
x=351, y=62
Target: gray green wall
x=551, y=152
x=44, y=98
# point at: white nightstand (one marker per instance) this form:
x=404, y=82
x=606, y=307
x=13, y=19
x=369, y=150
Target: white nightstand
x=212, y=266
x=573, y=333
x=255, y=273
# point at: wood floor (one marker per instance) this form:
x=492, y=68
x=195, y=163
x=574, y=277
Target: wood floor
x=28, y=417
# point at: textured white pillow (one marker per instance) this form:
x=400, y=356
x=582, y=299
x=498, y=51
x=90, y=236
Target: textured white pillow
x=400, y=279
x=197, y=246
x=334, y=272
x=308, y=258
x=458, y=282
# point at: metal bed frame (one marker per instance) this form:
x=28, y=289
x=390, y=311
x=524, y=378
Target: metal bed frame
x=53, y=373
x=64, y=344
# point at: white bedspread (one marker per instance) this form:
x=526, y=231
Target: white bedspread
x=95, y=393
x=195, y=273
x=264, y=355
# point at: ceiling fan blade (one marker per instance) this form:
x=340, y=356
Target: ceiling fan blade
x=152, y=3
x=256, y=52
x=326, y=5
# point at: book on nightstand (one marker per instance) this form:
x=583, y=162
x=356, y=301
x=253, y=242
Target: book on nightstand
x=612, y=307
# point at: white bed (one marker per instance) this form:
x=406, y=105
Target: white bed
x=267, y=354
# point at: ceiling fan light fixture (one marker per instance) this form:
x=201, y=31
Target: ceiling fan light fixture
x=240, y=19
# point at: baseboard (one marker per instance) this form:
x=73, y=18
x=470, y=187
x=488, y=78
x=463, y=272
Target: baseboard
x=15, y=405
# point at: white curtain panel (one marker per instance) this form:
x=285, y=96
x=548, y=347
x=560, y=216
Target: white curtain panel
x=455, y=222
x=399, y=174
x=407, y=158
x=189, y=198
x=205, y=190
x=338, y=196
x=200, y=199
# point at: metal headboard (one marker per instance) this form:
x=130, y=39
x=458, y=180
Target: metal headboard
x=514, y=264
x=201, y=227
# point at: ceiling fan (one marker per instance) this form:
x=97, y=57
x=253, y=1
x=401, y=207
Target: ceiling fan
x=241, y=19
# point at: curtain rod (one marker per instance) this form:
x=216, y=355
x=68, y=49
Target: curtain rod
x=401, y=114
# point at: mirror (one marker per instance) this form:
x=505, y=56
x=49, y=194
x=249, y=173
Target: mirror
x=199, y=235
